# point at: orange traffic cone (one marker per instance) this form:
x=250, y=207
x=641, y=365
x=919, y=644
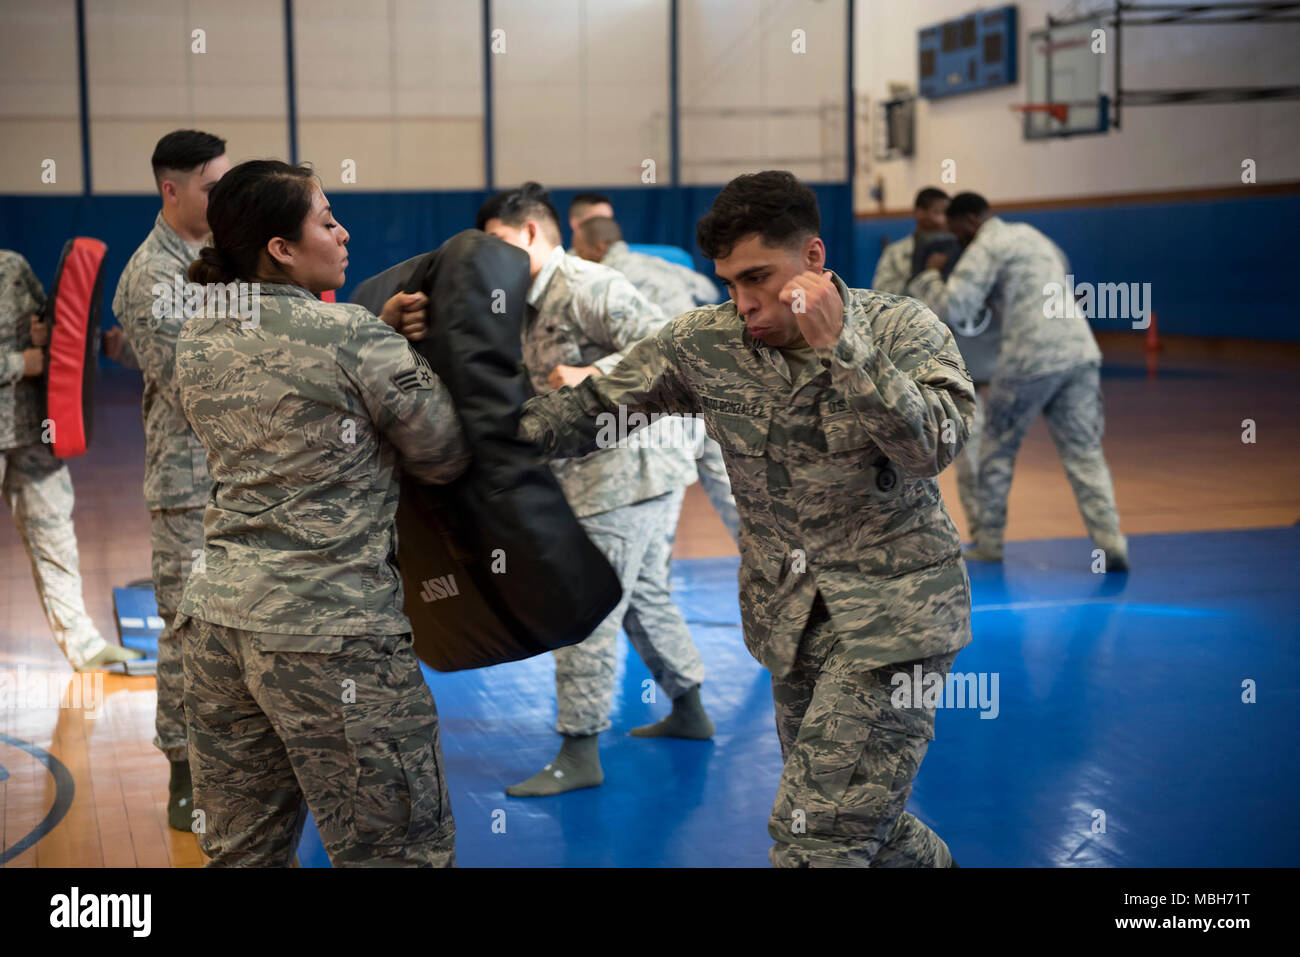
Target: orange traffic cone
x=1152, y=347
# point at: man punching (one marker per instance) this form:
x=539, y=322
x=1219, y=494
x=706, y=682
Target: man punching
x=1045, y=365
x=835, y=409
x=37, y=486
x=186, y=165
x=580, y=318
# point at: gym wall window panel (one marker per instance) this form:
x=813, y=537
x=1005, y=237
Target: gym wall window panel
x=396, y=87
x=581, y=94
x=145, y=78
x=40, y=116
x=749, y=101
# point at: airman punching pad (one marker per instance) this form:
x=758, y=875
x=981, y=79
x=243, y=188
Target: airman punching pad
x=494, y=565
x=72, y=314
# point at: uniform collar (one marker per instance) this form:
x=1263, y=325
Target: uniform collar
x=285, y=289
x=543, y=279
x=171, y=240
x=615, y=250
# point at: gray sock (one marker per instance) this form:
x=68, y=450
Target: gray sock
x=576, y=766
x=687, y=720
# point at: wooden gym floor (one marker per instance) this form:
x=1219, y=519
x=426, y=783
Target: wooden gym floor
x=1174, y=443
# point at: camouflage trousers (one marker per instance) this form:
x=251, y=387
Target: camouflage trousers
x=354, y=732
x=850, y=759
x=967, y=465
x=177, y=539
x=1071, y=403
x=634, y=540
x=38, y=490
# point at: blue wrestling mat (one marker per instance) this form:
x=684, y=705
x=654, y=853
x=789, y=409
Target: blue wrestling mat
x=1144, y=720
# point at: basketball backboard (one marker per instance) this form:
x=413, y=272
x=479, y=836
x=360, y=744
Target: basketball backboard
x=1065, y=67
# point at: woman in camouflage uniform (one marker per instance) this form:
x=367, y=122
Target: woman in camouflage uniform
x=300, y=678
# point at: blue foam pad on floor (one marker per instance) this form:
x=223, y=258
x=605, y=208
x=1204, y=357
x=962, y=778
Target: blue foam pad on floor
x=138, y=623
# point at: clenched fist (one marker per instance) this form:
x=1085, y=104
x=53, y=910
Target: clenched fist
x=817, y=307
x=407, y=312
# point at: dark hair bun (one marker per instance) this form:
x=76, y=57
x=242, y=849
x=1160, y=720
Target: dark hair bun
x=210, y=267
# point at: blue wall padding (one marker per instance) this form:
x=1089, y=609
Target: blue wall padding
x=1205, y=260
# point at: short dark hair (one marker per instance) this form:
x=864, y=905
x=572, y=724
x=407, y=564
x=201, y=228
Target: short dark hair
x=928, y=196
x=185, y=150
x=248, y=207
x=583, y=200
x=773, y=204
x=514, y=207
x=964, y=204
x=600, y=229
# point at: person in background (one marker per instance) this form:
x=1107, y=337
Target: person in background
x=581, y=317
x=1046, y=365
x=674, y=289
x=584, y=206
x=187, y=164
x=895, y=266
x=37, y=487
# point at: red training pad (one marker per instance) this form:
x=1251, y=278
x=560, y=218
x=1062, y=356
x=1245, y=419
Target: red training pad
x=73, y=313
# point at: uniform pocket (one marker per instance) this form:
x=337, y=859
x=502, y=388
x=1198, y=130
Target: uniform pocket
x=399, y=795
x=740, y=434
x=867, y=770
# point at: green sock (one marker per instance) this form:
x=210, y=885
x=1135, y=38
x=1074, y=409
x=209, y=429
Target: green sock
x=180, y=797
x=110, y=655
x=576, y=766
x=688, y=719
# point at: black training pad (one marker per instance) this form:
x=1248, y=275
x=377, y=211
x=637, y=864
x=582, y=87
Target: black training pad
x=978, y=341
x=557, y=586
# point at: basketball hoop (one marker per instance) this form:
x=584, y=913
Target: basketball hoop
x=1057, y=111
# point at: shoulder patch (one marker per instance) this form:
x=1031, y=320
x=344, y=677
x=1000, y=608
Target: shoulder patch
x=421, y=377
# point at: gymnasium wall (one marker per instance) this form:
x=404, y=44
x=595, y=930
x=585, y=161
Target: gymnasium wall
x=388, y=102
x=1158, y=147
x=1199, y=249
x=581, y=99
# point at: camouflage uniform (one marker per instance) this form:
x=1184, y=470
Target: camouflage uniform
x=299, y=672
x=1045, y=365
x=895, y=266
x=36, y=485
x=582, y=314
x=176, y=480
x=833, y=474
x=676, y=289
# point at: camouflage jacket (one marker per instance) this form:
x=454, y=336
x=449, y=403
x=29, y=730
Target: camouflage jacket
x=673, y=288
x=582, y=314
x=833, y=473
x=895, y=266
x=1010, y=265
x=307, y=415
x=175, y=467
x=22, y=403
